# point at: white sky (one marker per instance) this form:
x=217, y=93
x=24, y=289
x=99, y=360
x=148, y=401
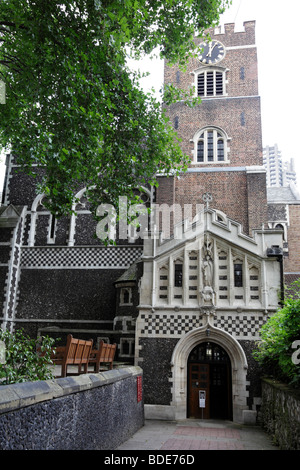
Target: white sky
x=277, y=39
x=277, y=36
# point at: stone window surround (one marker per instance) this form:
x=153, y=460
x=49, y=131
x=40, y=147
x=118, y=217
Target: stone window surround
x=123, y=292
x=78, y=207
x=226, y=140
x=204, y=70
x=127, y=343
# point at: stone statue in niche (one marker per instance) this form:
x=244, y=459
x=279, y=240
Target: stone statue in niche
x=207, y=264
x=207, y=271
x=207, y=294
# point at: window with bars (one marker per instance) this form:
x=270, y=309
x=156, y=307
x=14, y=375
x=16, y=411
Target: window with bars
x=254, y=283
x=211, y=146
x=238, y=275
x=193, y=277
x=163, y=284
x=210, y=83
x=178, y=275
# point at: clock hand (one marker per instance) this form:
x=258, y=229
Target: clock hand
x=211, y=48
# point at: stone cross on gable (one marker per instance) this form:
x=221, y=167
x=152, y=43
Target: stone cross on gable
x=207, y=197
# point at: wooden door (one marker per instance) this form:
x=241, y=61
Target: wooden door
x=198, y=382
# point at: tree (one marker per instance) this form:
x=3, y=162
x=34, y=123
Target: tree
x=75, y=114
x=278, y=350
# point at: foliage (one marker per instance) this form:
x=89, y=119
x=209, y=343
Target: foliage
x=275, y=350
x=74, y=110
x=23, y=362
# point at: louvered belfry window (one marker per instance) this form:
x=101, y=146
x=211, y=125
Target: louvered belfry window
x=210, y=83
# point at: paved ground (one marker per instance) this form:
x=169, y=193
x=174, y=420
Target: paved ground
x=198, y=435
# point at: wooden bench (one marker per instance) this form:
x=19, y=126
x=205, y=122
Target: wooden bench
x=76, y=353
x=104, y=355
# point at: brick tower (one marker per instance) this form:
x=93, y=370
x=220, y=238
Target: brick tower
x=222, y=135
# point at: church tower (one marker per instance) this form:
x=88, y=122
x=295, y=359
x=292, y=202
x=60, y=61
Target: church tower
x=222, y=135
x=212, y=282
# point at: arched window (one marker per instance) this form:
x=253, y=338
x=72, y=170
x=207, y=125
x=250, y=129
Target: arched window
x=211, y=146
x=126, y=296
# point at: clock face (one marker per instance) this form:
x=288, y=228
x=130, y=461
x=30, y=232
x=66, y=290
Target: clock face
x=212, y=52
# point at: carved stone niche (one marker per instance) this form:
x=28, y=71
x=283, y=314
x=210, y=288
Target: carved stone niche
x=207, y=294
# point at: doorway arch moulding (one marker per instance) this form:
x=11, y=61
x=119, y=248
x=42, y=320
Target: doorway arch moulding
x=239, y=367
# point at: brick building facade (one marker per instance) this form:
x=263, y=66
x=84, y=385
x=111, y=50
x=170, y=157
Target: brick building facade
x=284, y=214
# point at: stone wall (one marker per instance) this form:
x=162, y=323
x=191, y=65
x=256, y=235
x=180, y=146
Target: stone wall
x=292, y=262
x=280, y=414
x=156, y=356
x=86, y=412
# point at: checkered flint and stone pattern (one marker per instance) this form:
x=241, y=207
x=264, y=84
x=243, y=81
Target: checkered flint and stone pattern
x=241, y=326
x=169, y=324
x=79, y=257
x=244, y=326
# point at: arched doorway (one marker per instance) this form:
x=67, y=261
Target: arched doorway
x=209, y=379
x=238, y=372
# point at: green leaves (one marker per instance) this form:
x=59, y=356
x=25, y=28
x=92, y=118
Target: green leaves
x=173, y=94
x=74, y=109
x=26, y=359
x=275, y=350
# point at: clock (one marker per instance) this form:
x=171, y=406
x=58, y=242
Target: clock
x=211, y=52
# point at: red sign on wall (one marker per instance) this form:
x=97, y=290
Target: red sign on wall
x=139, y=388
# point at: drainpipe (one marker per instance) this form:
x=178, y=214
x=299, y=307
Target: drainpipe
x=280, y=260
x=276, y=251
